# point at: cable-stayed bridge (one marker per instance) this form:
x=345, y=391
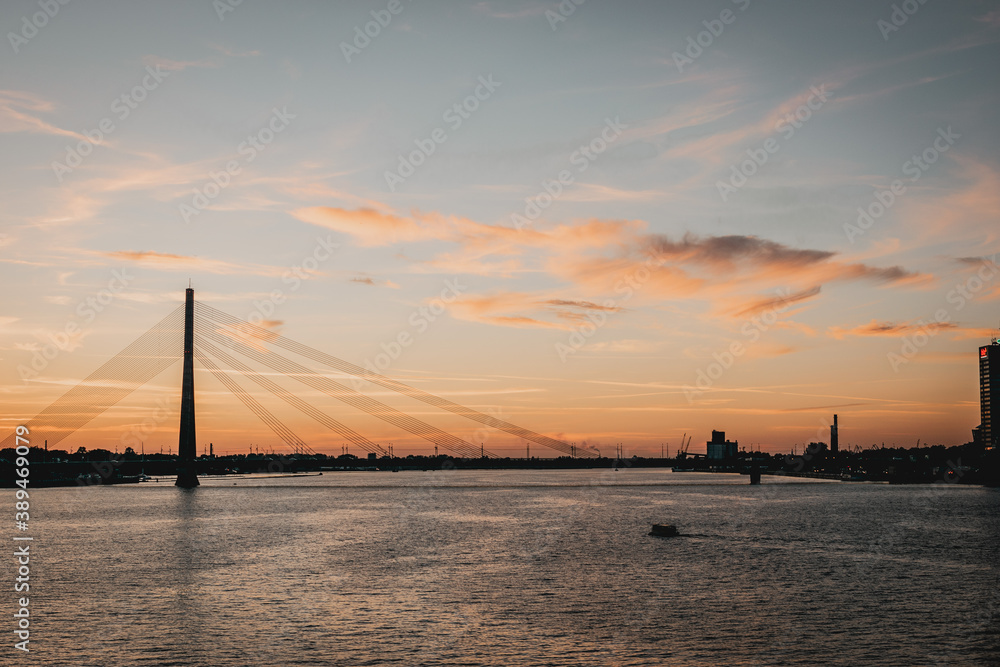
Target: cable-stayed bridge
x=224, y=345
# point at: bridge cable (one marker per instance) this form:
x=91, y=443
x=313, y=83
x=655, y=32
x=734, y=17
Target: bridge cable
x=241, y=326
x=283, y=432
x=347, y=395
x=146, y=357
x=117, y=370
x=290, y=398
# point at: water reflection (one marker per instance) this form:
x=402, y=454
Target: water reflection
x=506, y=570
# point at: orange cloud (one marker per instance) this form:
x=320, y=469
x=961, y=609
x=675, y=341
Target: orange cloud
x=717, y=268
x=608, y=258
x=519, y=321
x=966, y=210
x=763, y=305
x=511, y=309
x=368, y=226
x=500, y=309
x=371, y=227
x=876, y=328
x=990, y=285
x=366, y=280
x=256, y=339
x=759, y=258
x=584, y=305
x=172, y=262
x=142, y=255
x=727, y=252
x=973, y=333
x=625, y=276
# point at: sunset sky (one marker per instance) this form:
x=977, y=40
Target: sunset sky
x=616, y=224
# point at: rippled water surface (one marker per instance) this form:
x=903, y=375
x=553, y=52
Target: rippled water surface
x=514, y=567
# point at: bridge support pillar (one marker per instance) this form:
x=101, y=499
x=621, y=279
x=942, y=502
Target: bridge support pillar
x=187, y=451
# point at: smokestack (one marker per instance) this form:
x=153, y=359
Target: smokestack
x=834, y=437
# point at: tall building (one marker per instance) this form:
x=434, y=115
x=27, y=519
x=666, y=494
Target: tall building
x=719, y=448
x=989, y=393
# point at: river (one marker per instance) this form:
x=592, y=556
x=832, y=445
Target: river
x=513, y=567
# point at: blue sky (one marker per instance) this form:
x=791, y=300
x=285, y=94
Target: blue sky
x=596, y=319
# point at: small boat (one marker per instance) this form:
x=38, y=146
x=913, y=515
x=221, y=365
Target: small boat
x=122, y=479
x=664, y=530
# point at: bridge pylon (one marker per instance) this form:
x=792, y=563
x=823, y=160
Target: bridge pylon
x=187, y=451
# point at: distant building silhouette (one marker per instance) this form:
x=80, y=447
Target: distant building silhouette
x=834, y=437
x=719, y=448
x=989, y=392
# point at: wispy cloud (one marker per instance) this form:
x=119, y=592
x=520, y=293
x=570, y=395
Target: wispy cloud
x=892, y=329
x=762, y=305
x=521, y=310
x=508, y=309
x=173, y=262
x=368, y=280
x=20, y=112
x=593, y=192
x=991, y=18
